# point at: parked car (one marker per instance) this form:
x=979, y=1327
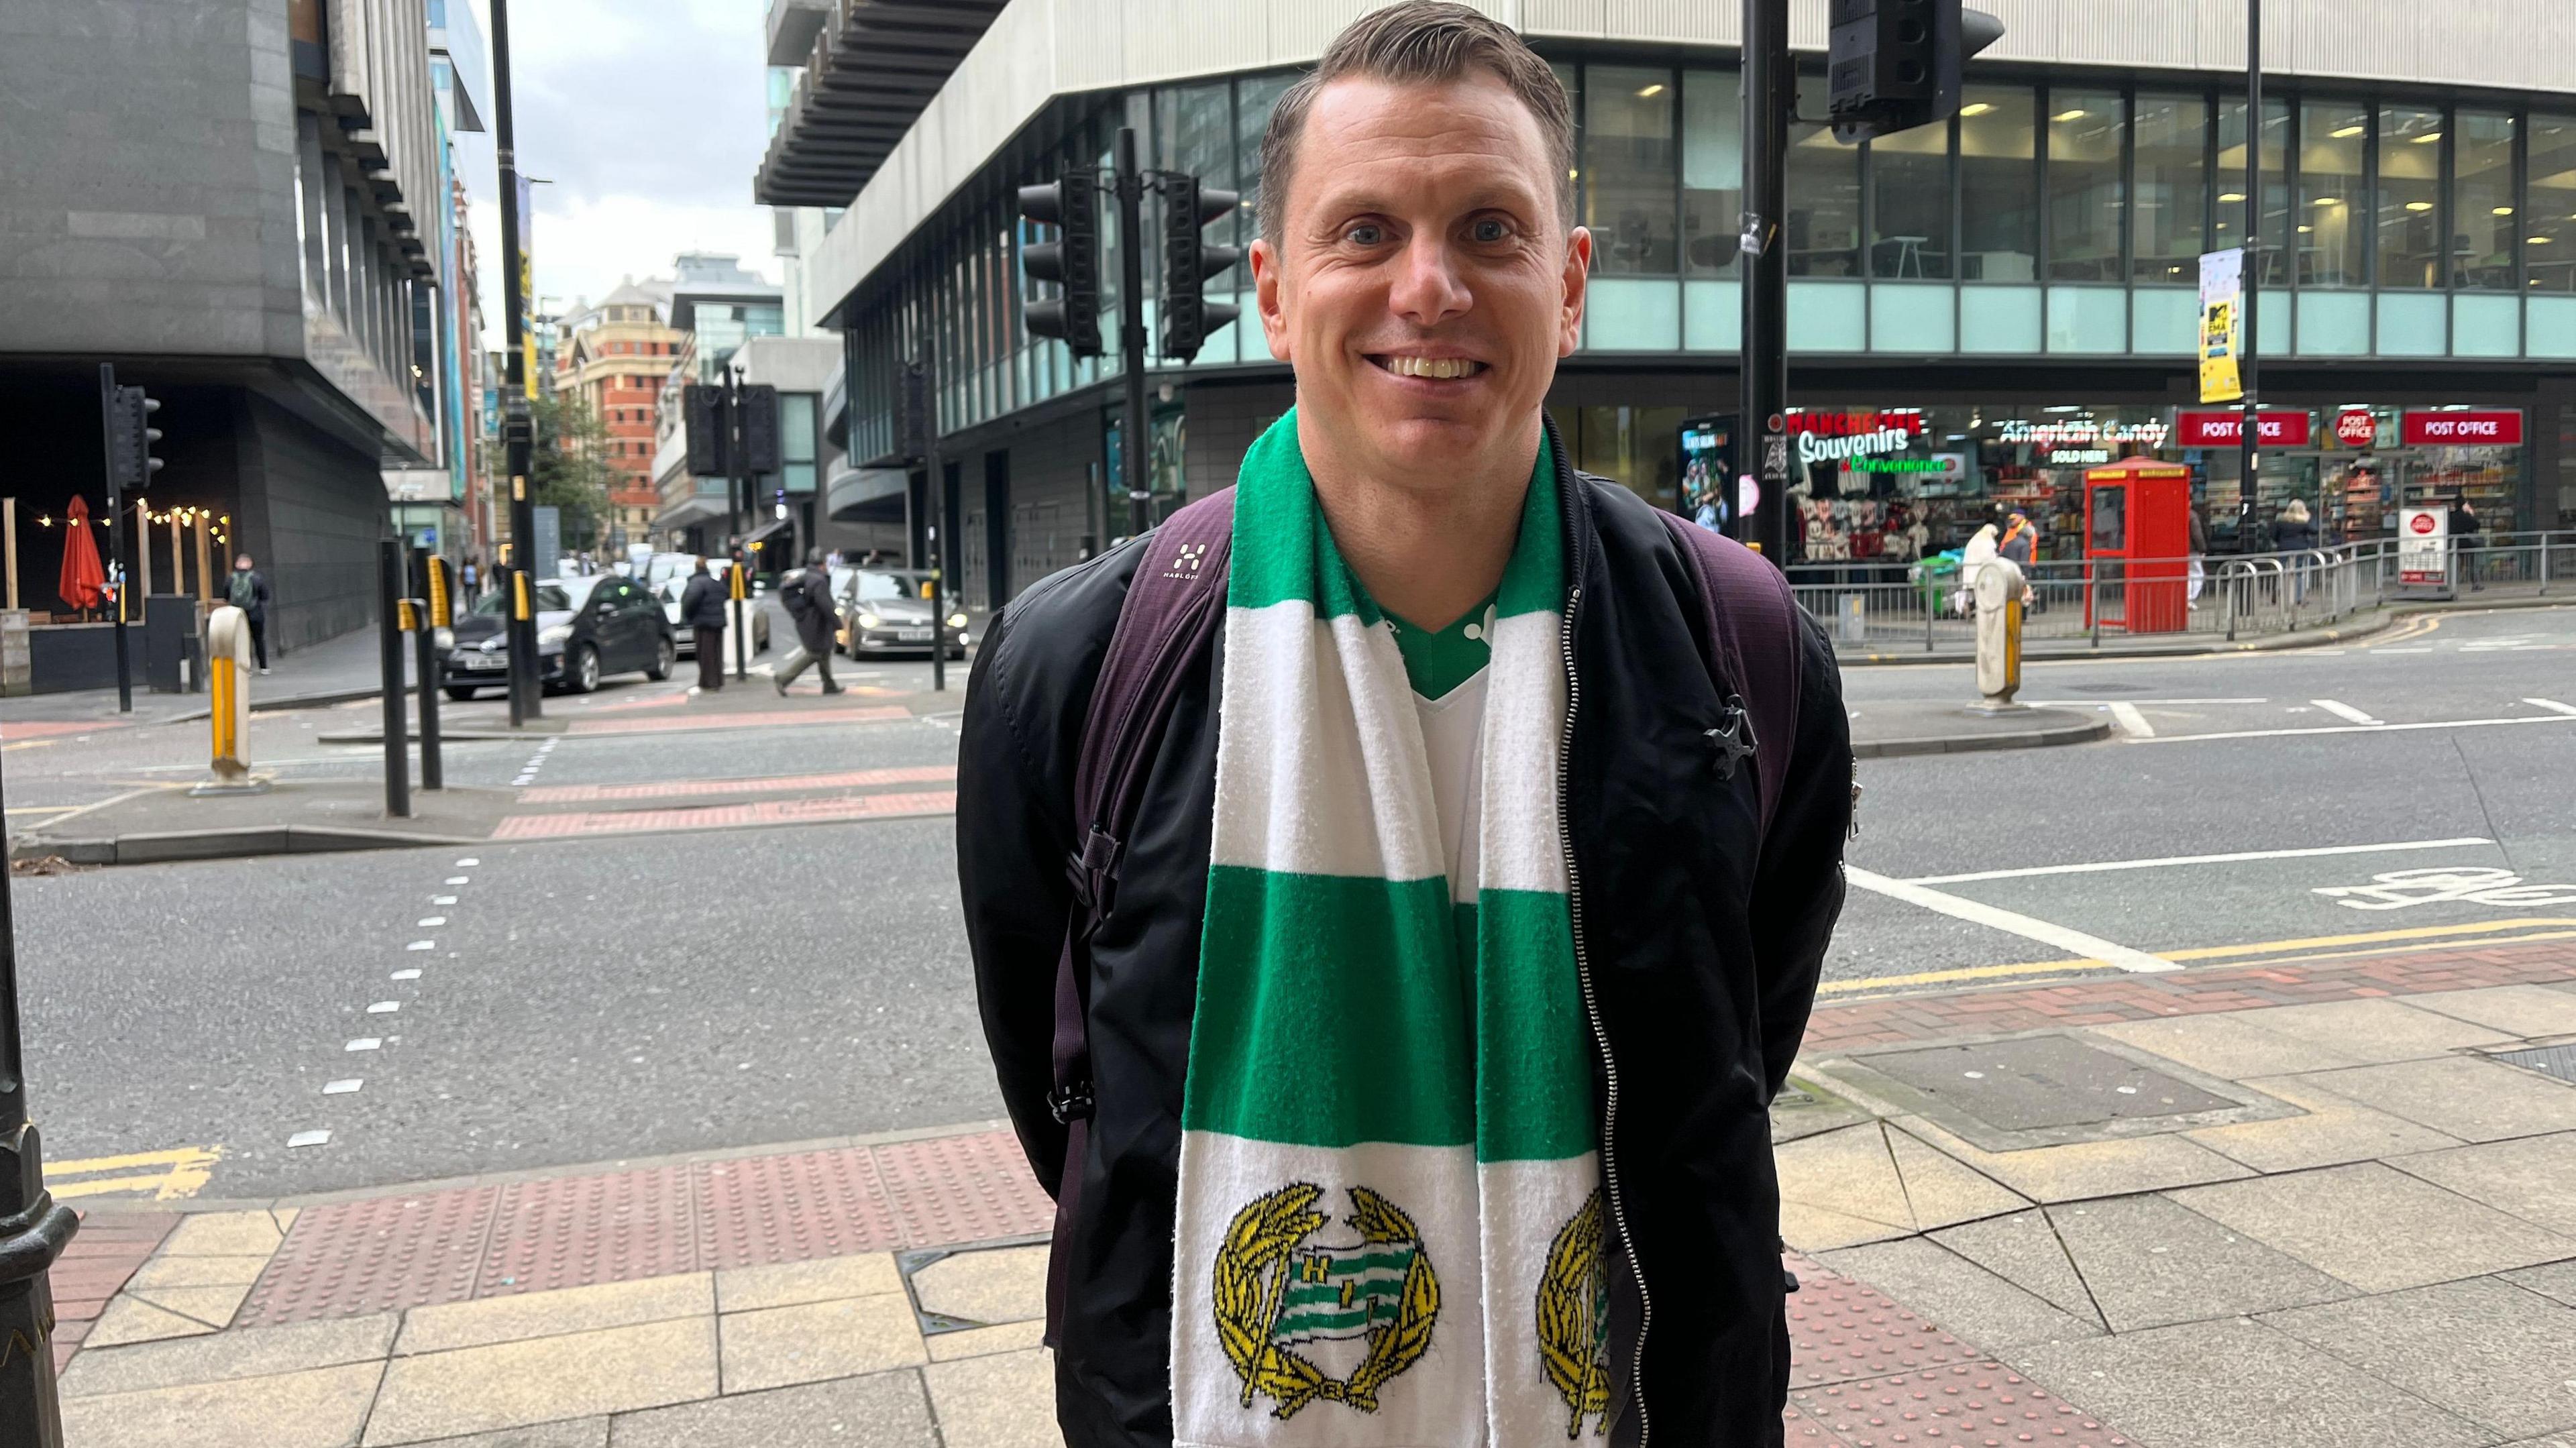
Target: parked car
x=884, y=611
x=587, y=627
x=669, y=592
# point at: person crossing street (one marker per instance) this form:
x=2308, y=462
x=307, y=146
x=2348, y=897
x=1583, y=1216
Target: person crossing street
x=702, y=612
x=807, y=597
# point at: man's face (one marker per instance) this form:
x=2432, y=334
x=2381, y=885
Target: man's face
x=1424, y=285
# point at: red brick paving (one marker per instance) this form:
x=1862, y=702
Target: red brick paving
x=102, y=1255
x=753, y=719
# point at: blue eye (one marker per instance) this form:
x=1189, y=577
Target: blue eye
x=1489, y=229
x=1367, y=233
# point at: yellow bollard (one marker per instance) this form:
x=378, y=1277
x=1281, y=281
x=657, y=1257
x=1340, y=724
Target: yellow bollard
x=228, y=662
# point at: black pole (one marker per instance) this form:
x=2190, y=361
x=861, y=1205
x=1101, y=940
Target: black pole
x=519, y=580
x=2251, y=459
x=1770, y=99
x=115, y=527
x=737, y=483
x=389, y=572
x=427, y=619
x=1131, y=330
x=938, y=491
x=33, y=1230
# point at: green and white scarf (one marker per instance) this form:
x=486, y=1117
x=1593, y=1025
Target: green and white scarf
x=1390, y=1227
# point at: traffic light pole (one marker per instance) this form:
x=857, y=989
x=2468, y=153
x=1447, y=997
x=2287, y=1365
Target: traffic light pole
x=115, y=528
x=2250, y=461
x=1770, y=100
x=737, y=483
x=1130, y=185
x=33, y=1231
x=519, y=608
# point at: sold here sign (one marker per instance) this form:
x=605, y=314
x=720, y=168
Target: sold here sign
x=2463, y=429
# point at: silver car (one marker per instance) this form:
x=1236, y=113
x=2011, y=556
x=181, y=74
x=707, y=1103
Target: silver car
x=887, y=611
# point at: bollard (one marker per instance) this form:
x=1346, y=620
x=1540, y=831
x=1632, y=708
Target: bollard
x=394, y=616
x=1998, y=588
x=431, y=576
x=739, y=585
x=228, y=656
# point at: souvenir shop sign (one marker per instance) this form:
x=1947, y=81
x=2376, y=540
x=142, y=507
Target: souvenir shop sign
x=2463, y=429
x=1825, y=437
x=2227, y=429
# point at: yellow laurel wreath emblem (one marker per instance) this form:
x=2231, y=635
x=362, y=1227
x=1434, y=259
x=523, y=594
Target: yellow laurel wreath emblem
x=1569, y=1322
x=1252, y=1278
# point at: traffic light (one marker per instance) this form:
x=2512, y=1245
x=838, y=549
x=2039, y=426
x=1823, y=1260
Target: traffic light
x=1188, y=262
x=703, y=412
x=758, y=406
x=1072, y=205
x=130, y=435
x=1892, y=65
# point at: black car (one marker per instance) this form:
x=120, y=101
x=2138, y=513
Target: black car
x=885, y=611
x=586, y=627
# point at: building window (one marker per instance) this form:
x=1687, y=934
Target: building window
x=2483, y=223
x=1822, y=228
x=2549, y=242
x=1631, y=200
x=1712, y=171
x=1254, y=98
x=1998, y=184
x=2409, y=196
x=1637, y=447
x=2085, y=205
x=2230, y=216
x=1910, y=192
x=2332, y=225
x=2169, y=204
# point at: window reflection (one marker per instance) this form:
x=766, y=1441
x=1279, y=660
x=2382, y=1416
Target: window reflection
x=2169, y=214
x=1998, y=184
x=2230, y=213
x=2549, y=238
x=1910, y=174
x=1637, y=447
x=2331, y=228
x=2410, y=194
x=1630, y=200
x=2085, y=204
x=1822, y=228
x=1712, y=171
x=2483, y=224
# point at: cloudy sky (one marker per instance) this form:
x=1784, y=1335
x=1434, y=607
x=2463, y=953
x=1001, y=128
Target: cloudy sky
x=649, y=117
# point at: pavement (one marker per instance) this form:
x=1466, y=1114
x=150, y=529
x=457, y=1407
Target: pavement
x=2312, y=1202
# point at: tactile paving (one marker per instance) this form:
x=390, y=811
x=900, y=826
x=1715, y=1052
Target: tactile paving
x=1840, y=1331
x=967, y=1188
x=379, y=1254
x=574, y=1231
x=793, y=1208
x=1961, y=1405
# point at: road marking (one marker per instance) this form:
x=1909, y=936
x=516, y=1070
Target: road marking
x=457, y=880
x=825, y=808
x=2425, y=650
x=442, y=899
x=182, y=1171
x=2479, y=885
x=407, y=975
x=309, y=1138
x=2012, y=922
x=2414, y=628
x=2317, y=947
x=1974, y=972
x=422, y=945
x=764, y=784
x=26, y=744
x=2357, y=729
x=2552, y=705
x=364, y=1043
x=431, y=922
x=2097, y=703
x=343, y=1086
x=2131, y=722
x=2234, y=857
x=384, y=1008
x=468, y=863
x=32, y=809
x=2342, y=710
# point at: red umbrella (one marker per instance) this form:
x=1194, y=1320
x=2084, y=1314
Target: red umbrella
x=84, y=582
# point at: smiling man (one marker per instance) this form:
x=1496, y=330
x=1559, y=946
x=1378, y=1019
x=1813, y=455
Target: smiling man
x=1402, y=1066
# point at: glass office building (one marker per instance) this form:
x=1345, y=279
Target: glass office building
x=2021, y=281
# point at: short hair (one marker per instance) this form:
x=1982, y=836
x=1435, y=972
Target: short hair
x=1419, y=41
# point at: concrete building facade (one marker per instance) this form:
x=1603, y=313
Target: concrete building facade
x=2016, y=287
x=237, y=203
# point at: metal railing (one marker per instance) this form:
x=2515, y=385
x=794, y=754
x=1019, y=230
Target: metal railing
x=1874, y=606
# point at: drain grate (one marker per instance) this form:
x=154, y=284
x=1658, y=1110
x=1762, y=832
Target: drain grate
x=2558, y=1061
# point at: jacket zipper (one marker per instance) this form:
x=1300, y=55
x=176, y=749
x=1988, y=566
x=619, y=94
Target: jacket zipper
x=1592, y=1012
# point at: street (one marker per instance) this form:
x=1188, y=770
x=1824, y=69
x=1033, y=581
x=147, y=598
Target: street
x=681, y=988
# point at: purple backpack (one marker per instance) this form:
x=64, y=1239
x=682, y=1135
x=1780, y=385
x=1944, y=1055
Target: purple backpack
x=1174, y=606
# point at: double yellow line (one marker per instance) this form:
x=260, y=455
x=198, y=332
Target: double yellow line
x=168, y=1175
x=2413, y=628
x=2265, y=952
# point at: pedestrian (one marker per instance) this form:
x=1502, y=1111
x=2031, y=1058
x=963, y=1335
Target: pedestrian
x=806, y=594
x=702, y=612
x=470, y=579
x=2294, y=532
x=247, y=590
x=1411, y=1170
x=2465, y=540
x=2198, y=518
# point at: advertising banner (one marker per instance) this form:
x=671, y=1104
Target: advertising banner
x=2424, y=547
x=2222, y=325
x=2227, y=429
x=2463, y=429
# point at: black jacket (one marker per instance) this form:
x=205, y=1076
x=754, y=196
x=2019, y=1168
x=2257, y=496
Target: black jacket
x=702, y=602
x=2293, y=535
x=1703, y=958
x=807, y=597
x=260, y=596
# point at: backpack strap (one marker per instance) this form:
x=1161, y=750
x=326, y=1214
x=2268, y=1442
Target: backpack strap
x=1174, y=605
x=1753, y=639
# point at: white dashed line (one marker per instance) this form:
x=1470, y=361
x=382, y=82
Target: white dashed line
x=458, y=879
x=407, y=975
x=364, y=1043
x=442, y=899
x=343, y=1086
x=309, y=1138
x=384, y=1008
x=422, y=945
x=468, y=863
x=433, y=922
x=2344, y=711
x=2552, y=705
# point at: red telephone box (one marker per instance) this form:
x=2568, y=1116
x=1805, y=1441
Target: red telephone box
x=2137, y=533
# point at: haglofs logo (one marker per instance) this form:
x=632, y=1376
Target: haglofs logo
x=1186, y=563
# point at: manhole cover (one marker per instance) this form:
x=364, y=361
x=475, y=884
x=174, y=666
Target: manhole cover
x=2558, y=1061
x=2049, y=1089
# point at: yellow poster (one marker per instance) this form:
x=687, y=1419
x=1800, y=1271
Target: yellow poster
x=2222, y=325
